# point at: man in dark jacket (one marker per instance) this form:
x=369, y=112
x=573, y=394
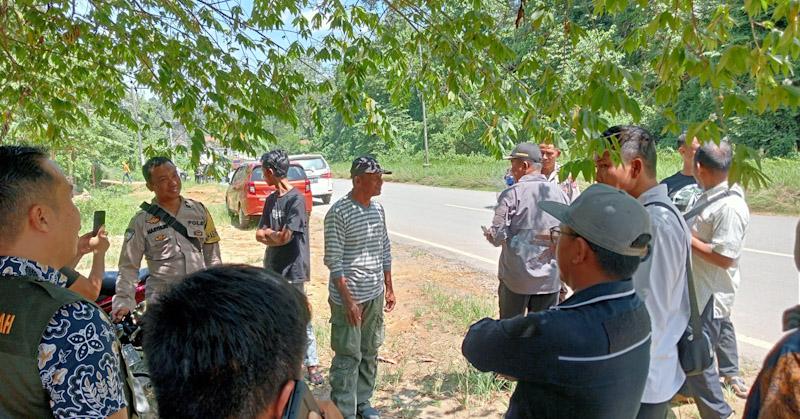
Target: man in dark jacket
x=588, y=356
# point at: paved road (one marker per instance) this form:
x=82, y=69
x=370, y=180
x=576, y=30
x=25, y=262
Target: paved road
x=447, y=222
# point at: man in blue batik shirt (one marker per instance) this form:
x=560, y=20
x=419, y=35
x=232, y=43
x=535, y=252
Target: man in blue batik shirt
x=59, y=352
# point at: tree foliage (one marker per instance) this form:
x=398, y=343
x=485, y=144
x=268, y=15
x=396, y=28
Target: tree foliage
x=556, y=71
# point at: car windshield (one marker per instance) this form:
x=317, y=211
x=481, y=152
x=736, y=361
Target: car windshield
x=312, y=164
x=295, y=173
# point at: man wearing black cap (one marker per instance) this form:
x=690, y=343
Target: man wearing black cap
x=587, y=357
x=358, y=255
x=527, y=269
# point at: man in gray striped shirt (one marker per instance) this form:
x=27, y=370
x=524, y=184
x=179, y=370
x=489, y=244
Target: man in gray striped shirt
x=358, y=255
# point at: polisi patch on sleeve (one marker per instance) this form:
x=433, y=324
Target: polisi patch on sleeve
x=626, y=330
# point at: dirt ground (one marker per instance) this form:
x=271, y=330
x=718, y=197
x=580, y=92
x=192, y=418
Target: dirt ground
x=422, y=373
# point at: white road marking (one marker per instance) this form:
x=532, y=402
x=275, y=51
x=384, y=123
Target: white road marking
x=443, y=247
x=470, y=208
x=764, y=252
x=758, y=343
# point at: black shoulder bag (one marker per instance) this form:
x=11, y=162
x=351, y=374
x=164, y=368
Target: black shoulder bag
x=171, y=222
x=694, y=347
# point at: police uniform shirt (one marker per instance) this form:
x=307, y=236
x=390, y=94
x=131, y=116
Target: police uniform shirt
x=170, y=256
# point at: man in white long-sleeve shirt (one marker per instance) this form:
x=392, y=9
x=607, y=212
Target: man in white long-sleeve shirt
x=661, y=280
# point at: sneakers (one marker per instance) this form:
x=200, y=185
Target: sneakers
x=366, y=411
x=738, y=386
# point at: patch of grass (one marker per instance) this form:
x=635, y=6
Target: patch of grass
x=116, y=201
x=462, y=310
x=484, y=173
x=473, y=383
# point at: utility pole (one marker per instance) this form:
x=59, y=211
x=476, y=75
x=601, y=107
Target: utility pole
x=424, y=113
x=138, y=125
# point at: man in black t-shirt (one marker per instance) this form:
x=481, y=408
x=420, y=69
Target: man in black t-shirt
x=682, y=187
x=284, y=229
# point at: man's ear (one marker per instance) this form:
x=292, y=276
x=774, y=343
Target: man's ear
x=149, y=186
x=637, y=167
x=278, y=406
x=582, y=251
x=41, y=218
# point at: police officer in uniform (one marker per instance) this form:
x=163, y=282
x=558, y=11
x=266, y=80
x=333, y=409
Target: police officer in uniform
x=175, y=235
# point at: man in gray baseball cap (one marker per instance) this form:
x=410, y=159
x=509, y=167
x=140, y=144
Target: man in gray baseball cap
x=527, y=271
x=588, y=356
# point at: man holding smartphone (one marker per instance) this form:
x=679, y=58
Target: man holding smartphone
x=175, y=235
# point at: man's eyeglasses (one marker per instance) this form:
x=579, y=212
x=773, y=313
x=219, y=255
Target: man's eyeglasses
x=556, y=232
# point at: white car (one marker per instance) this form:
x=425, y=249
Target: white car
x=318, y=172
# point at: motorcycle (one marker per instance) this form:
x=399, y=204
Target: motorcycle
x=129, y=332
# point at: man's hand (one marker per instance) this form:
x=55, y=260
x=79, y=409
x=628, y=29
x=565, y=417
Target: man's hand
x=119, y=314
x=390, y=300
x=328, y=409
x=352, y=312
x=91, y=243
x=262, y=235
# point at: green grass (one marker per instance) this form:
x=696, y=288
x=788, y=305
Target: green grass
x=115, y=201
x=486, y=174
x=461, y=310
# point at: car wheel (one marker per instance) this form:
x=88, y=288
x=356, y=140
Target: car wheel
x=243, y=219
x=326, y=199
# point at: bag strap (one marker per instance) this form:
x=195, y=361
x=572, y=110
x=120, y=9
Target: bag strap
x=694, y=316
x=696, y=210
x=171, y=222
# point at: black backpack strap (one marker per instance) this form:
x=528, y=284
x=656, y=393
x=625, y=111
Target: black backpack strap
x=696, y=210
x=694, y=313
x=171, y=222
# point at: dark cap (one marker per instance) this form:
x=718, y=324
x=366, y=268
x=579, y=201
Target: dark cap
x=526, y=151
x=366, y=164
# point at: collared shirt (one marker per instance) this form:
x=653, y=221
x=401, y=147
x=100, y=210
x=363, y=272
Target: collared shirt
x=170, y=256
x=78, y=357
x=585, y=358
x=357, y=247
x=569, y=185
x=662, y=283
x=723, y=225
x=527, y=260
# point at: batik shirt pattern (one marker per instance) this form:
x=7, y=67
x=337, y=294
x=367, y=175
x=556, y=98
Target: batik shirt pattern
x=78, y=353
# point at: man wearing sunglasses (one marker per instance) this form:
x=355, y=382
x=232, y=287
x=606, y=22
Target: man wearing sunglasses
x=588, y=356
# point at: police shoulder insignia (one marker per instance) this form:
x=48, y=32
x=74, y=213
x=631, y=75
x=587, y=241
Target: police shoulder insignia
x=161, y=238
x=153, y=220
x=198, y=233
x=129, y=234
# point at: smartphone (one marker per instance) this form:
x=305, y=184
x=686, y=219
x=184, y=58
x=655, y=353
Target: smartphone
x=99, y=221
x=301, y=402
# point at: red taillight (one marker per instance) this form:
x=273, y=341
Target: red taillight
x=326, y=175
x=251, y=188
x=308, y=184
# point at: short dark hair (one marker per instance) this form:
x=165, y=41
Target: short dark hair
x=278, y=161
x=224, y=341
x=151, y=164
x=614, y=264
x=635, y=142
x=22, y=177
x=715, y=157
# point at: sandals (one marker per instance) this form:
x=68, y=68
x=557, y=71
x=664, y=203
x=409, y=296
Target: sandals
x=314, y=376
x=738, y=386
x=368, y=412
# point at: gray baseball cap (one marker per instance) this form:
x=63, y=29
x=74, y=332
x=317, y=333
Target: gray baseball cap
x=527, y=151
x=607, y=217
x=366, y=164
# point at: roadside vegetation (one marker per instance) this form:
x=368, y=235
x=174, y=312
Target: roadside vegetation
x=481, y=172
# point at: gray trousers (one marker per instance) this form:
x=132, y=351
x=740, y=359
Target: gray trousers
x=705, y=388
x=513, y=304
x=727, y=351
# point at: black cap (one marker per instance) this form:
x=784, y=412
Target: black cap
x=366, y=164
x=527, y=151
